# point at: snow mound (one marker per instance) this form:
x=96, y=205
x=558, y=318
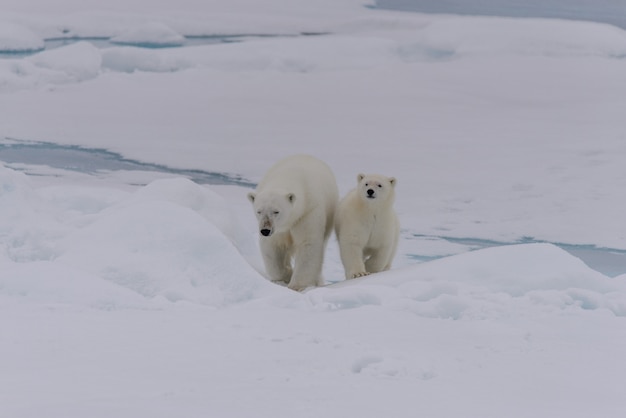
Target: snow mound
x=205, y=202
x=170, y=241
x=164, y=242
x=16, y=38
x=490, y=282
x=150, y=35
x=73, y=63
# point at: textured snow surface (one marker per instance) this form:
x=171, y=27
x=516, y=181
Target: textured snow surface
x=131, y=293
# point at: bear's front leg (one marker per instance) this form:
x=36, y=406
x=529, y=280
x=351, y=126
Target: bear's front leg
x=308, y=260
x=277, y=259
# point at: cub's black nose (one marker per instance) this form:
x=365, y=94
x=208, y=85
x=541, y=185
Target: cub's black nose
x=370, y=192
x=265, y=232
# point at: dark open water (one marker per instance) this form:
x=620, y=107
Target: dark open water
x=604, y=11
x=94, y=160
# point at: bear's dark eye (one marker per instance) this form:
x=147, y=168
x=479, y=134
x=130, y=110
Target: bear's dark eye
x=380, y=185
x=258, y=212
x=276, y=212
x=367, y=184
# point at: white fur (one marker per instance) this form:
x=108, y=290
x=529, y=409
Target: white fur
x=367, y=227
x=295, y=204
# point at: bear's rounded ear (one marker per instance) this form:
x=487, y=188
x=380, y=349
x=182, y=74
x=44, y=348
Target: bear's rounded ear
x=360, y=177
x=251, y=197
x=393, y=181
x=291, y=197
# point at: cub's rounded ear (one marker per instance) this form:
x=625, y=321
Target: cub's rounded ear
x=251, y=197
x=291, y=197
x=360, y=177
x=393, y=181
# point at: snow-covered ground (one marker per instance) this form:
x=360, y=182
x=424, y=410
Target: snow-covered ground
x=130, y=292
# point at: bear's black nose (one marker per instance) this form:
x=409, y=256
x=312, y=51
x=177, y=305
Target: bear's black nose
x=370, y=192
x=266, y=232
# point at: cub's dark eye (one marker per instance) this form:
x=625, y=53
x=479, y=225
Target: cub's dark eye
x=380, y=185
x=276, y=212
x=367, y=184
x=258, y=212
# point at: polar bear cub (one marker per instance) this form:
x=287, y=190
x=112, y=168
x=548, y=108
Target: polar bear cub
x=367, y=227
x=295, y=205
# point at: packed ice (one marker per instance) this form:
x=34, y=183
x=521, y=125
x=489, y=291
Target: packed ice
x=143, y=293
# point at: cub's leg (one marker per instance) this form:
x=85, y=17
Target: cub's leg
x=379, y=260
x=352, y=258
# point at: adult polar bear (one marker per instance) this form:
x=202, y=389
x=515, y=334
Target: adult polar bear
x=367, y=227
x=295, y=205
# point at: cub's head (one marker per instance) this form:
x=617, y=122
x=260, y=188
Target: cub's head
x=272, y=210
x=375, y=188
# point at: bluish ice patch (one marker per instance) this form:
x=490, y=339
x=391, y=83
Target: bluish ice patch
x=608, y=261
x=107, y=42
x=95, y=160
x=188, y=41
x=10, y=53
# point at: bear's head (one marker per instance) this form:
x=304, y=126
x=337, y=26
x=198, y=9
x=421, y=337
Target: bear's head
x=376, y=189
x=272, y=210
